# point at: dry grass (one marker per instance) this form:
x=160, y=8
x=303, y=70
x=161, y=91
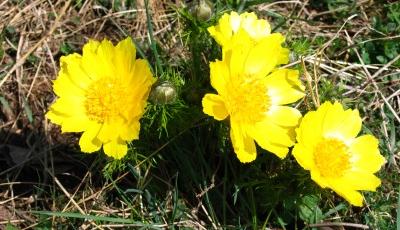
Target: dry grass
x=36, y=159
x=37, y=31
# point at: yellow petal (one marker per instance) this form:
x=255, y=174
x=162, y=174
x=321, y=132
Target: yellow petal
x=320, y=180
x=69, y=107
x=214, y=105
x=271, y=137
x=341, y=123
x=284, y=116
x=125, y=56
x=235, y=21
x=64, y=87
x=237, y=58
x=97, y=59
x=139, y=85
x=264, y=56
x=116, y=148
x=353, y=197
x=71, y=79
x=71, y=66
x=90, y=48
x=88, y=141
x=257, y=28
x=90, y=61
x=303, y=156
x=284, y=86
x=106, y=51
x=243, y=144
x=232, y=26
x=142, y=76
x=240, y=38
x=274, y=133
x=74, y=124
x=310, y=131
x=279, y=150
x=223, y=31
x=359, y=180
x=54, y=117
x=260, y=61
x=366, y=154
x=131, y=132
x=219, y=74
x=109, y=131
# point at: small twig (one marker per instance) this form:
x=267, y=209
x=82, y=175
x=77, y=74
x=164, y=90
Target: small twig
x=265, y=7
x=336, y=224
x=309, y=83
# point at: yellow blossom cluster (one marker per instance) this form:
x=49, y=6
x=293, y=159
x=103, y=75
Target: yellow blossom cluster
x=254, y=93
x=103, y=93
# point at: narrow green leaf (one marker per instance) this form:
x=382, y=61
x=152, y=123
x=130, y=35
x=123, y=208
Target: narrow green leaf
x=5, y=103
x=89, y=217
x=28, y=111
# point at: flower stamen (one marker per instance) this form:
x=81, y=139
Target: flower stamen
x=332, y=158
x=105, y=99
x=248, y=100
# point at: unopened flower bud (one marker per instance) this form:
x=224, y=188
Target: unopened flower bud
x=203, y=10
x=163, y=93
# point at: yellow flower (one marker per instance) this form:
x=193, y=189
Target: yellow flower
x=252, y=93
x=234, y=28
x=103, y=94
x=329, y=148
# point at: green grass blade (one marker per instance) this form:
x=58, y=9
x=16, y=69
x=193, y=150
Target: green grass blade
x=88, y=217
x=152, y=41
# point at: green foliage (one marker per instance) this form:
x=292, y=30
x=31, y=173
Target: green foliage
x=301, y=46
x=10, y=227
x=309, y=210
x=379, y=50
x=28, y=110
x=67, y=48
x=331, y=89
x=390, y=22
x=340, y=8
x=159, y=115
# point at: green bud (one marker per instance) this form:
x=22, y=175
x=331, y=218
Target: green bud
x=163, y=93
x=203, y=10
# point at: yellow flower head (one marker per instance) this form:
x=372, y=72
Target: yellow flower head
x=329, y=148
x=253, y=94
x=233, y=28
x=103, y=94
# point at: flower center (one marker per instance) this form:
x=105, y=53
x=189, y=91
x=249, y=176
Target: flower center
x=105, y=99
x=331, y=157
x=248, y=100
